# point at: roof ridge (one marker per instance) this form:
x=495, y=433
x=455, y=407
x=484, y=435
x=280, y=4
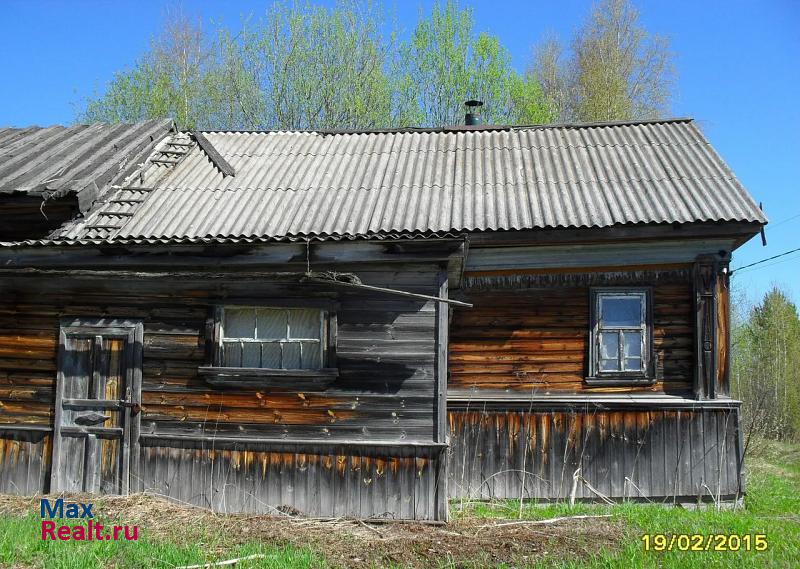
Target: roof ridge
x=165, y=121
x=456, y=128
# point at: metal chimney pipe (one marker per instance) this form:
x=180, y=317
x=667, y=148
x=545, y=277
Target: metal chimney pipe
x=473, y=107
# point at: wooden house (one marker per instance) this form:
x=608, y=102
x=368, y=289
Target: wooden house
x=367, y=324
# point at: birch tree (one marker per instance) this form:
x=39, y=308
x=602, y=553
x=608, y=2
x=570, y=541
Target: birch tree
x=320, y=68
x=172, y=79
x=445, y=62
x=304, y=66
x=766, y=365
x=614, y=70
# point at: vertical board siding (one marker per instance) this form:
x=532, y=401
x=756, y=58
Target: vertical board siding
x=657, y=454
x=537, y=340
x=317, y=483
x=24, y=462
x=723, y=337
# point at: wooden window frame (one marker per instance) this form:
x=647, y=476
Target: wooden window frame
x=216, y=373
x=645, y=376
x=320, y=338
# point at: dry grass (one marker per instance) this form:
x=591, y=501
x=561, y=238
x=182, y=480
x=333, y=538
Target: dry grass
x=465, y=542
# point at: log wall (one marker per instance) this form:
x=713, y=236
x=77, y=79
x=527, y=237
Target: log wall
x=385, y=356
x=535, y=341
x=383, y=399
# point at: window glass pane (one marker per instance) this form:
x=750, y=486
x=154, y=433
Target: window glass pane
x=619, y=311
x=609, y=345
x=251, y=354
x=304, y=324
x=232, y=354
x=311, y=357
x=291, y=355
x=240, y=322
x=271, y=355
x=272, y=338
x=271, y=324
x=633, y=364
x=609, y=365
x=633, y=344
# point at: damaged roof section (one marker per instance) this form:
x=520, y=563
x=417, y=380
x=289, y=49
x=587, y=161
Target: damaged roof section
x=434, y=182
x=49, y=175
x=53, y=161
x=116, y=207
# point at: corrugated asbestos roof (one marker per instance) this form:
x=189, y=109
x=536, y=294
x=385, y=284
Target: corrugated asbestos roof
x=427, y=182
x=51, y=161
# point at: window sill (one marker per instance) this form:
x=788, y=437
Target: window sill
x=620, y=380
x=240, y=377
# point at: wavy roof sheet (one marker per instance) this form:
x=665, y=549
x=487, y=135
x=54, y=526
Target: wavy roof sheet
x=410, y=182
x=54, y=160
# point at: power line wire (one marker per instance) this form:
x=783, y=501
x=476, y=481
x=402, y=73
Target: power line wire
x=765, y=260
x=787, y=220
x=784, y=260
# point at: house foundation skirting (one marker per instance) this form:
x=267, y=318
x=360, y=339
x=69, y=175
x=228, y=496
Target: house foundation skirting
x=679, y=455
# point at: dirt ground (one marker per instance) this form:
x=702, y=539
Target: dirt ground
x=464, y=542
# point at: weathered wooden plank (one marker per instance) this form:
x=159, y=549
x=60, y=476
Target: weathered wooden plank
x=24, y=462
x=658, y=451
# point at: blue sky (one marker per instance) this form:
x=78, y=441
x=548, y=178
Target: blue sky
x=738, y=66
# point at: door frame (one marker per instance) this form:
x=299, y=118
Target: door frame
x=134, y=329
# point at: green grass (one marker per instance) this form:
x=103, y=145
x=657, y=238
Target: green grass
x=20, y=546
x=772, y=508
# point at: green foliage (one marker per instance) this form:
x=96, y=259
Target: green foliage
x=529, y=105
x=320, y=68
x=766, y=365
x=614, y=71
x=445, y=63
x=304, y=66
x=175, y=78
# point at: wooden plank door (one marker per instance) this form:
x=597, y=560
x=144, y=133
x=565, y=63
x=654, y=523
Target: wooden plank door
x=97, y=402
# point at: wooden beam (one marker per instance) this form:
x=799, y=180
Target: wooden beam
x=602, y=255
x=103, y=432
x=228, y=256
x=206, y=276
x=485, y=399
x=153, y=439
x=92, y=404
x=440, y=415
x=723, y=351
x=26, y=428
x=585, y=269
x=739, y=232
x=706, y=274
x=440, y=299
x=158, y=275
x=215, y=157
x=442, y=326
x=56, y=468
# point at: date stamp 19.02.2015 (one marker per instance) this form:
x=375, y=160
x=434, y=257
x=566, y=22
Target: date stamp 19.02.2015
x=705, y=542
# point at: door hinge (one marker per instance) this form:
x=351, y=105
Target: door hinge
x=134, y=407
